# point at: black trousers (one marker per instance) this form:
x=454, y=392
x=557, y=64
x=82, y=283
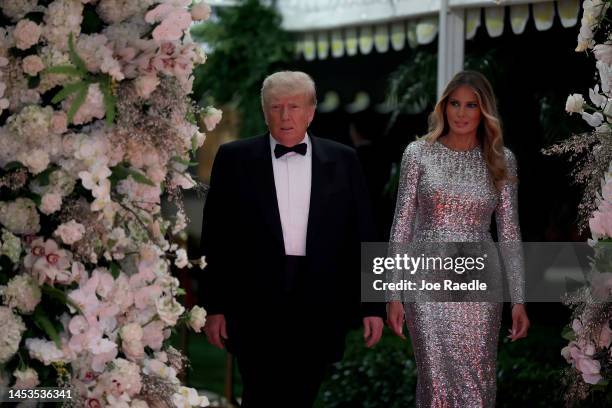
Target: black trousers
x=281, y=380
x=285, y=366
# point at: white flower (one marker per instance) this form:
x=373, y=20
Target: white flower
x=168, y=309
x=181, y=260
x=36, y=160
x=597, y=99
x=50, y=203
x=605, y=74
x=70, y=232
x=200, y=11
x=61, y=18
x=11, y=246
x=98, y=55
x=131, y=341
x=10, y=335
x=197, y=318
x=180, y=223
x=188, y=397
x=156, y=367
x=17, y=9
x=594, y=120
x=123, y=377
x=603, y=53
x=20, y=216
x=26, y=34
x=202, y=262
x=574, y=103
x=26, y=378
x=212, y=117
x=22, y=293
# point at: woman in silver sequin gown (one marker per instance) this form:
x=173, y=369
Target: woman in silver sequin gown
x=451, y=182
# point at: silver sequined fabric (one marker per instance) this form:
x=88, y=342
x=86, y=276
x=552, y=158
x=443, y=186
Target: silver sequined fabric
x=448, y=196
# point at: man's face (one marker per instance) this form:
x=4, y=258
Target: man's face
x=288, y=117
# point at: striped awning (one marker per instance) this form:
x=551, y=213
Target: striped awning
x=337, y=28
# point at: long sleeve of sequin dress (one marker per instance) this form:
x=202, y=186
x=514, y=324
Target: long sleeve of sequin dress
x=448, y=196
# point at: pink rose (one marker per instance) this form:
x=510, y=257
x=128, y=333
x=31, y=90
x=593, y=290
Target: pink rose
x=153, y=334
x=200, y=11
x=145, y=85
x=605, y=336
x=70, y=232
x=26, y=378
x=212, y=117
x=51, y=202
x=26, y=34
x=32, y=65
x=59, y=122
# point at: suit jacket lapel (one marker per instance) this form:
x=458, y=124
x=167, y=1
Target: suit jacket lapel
x=264, y=178
x=322, y=175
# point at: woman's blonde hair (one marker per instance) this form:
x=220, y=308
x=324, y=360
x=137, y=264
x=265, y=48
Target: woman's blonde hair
x=489, y=131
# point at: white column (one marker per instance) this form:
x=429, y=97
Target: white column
x=451, y=39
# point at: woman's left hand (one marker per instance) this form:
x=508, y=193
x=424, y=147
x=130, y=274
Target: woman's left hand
x=520, y=322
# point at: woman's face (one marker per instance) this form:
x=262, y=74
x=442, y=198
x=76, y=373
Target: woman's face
x=463, y=111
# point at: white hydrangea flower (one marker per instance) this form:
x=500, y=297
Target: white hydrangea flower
x=45, y=351
x=11, y=246
x=10, y=335
x=22, y=293
x=61, y=18
x=20, y=216
x=17, y=9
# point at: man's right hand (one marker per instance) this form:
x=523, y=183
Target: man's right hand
x=215, y=330
x=395, y=318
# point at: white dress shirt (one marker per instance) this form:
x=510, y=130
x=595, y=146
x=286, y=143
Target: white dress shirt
x=292, y=178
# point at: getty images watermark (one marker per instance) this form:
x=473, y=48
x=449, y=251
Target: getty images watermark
x=406, y=264
x=473, y=271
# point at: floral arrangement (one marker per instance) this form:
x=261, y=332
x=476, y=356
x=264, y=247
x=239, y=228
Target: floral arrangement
x=96, y=124
x=589, y=351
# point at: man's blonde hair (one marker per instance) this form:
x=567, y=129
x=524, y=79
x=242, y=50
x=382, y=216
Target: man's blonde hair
x=288, y=83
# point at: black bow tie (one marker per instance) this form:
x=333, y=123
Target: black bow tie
x=281, y=150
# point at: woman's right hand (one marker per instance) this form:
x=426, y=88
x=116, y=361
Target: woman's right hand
x=395, y=318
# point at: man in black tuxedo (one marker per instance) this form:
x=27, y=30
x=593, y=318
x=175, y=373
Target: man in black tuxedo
x=284, y=218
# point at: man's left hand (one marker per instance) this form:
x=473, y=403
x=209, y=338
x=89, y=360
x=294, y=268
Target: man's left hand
x=372, y=330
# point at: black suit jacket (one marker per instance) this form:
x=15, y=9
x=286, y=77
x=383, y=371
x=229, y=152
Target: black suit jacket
x=243, y=244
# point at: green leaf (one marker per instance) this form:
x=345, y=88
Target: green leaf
x=74, y=57
x=64, y=70
x=13, y=165
x=184, y=162
x=42, y=321
x=568, y=334
x=79, y=99
x=194, y=145
x=67, y=90
x=115, y=270
x=43, y=177
x=59, y=295
x=33, y=81
x=110, y=101
x=34, y=197
x=140, y=178
x=180, y=292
